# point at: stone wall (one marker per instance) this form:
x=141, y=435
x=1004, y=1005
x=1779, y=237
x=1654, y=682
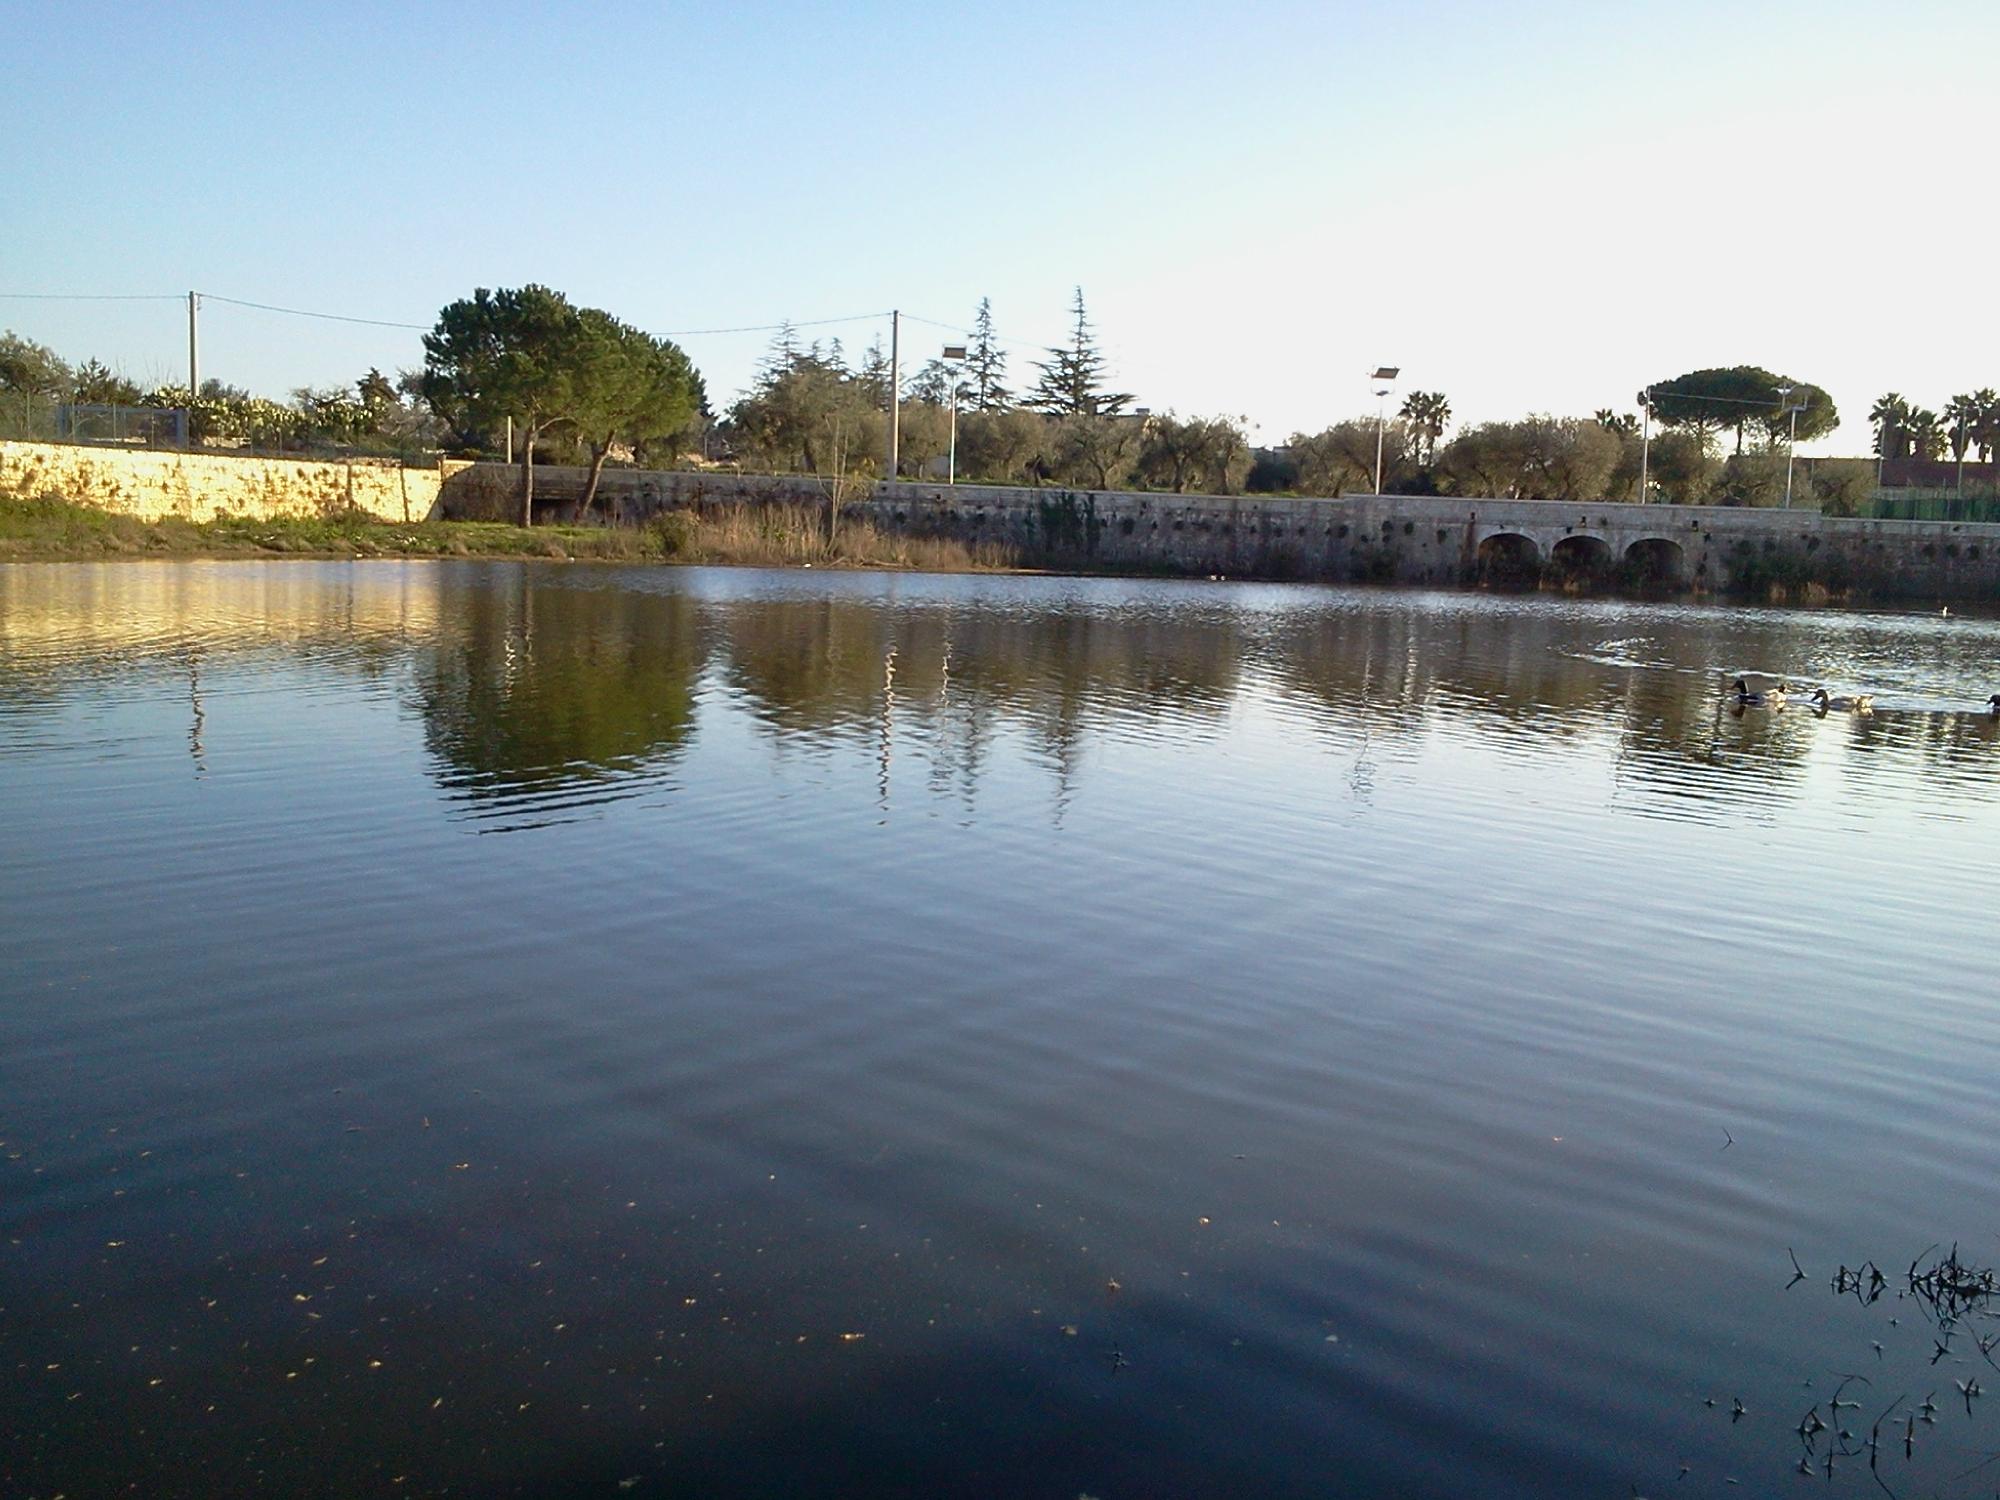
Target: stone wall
x=152, y=485
x=1357, y=538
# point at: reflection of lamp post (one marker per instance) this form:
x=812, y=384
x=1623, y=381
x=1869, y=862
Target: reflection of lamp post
x=1384, y=378
x=954, y=356
x=1788, y=405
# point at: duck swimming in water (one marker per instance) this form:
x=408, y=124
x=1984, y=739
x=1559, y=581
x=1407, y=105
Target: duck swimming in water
x=1748, y=696
x=1860, y=703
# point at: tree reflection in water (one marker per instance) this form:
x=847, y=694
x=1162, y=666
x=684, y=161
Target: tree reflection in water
x=539, y=688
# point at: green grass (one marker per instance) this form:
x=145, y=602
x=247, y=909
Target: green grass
x=53, y=528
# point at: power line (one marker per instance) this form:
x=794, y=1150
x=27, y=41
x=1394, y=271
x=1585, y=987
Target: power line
x=1656, y=393
x=94, y=296
x=669, y=333
x=303, y=312
x=300, y=312
x=997, y=338
x=688, y=333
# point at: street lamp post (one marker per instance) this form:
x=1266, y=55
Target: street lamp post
x=1792, y=442
x=1961, y=440
x=954, y=356
x=1645, y=441
x=1384, y=378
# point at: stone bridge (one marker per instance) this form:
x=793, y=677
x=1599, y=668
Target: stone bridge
x=1374, y=538
x=1670, y=545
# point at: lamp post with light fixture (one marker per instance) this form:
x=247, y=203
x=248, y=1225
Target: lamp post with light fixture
x=1645, y=441
x=954, y=356
x=1792, y=408
x=1384, y=378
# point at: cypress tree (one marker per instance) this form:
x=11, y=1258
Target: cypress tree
x=986, y=364
x=1072, y=379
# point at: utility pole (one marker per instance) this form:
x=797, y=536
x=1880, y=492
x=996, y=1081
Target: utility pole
x=194, y=365
x=895, y=391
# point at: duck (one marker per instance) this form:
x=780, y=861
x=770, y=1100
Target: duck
x=1749, y=697
x=1994, y=704
x=1756, y=682
x=1859, y=703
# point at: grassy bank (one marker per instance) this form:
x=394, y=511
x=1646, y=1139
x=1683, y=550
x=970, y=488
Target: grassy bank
x=56, y=530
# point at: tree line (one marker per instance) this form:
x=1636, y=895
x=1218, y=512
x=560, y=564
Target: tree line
x=1969, y=423
x=810, y=402
x=1672, y=445
x=578, y=384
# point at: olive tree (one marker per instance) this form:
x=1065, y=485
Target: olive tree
x=1003, y=445
x=1341, y=459
x=1206, y=453
x=1093, y=452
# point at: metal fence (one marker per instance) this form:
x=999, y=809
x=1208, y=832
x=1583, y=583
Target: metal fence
x=30, y=419
x=127, y=426
x=1934, y=505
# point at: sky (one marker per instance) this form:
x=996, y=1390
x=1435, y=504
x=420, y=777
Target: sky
x=1526, y=206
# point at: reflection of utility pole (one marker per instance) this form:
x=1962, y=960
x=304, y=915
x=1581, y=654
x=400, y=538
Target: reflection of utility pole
x=196, y=748
x=888, y=728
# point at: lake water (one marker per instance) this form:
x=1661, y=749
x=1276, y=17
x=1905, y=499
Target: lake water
x=528, y=1030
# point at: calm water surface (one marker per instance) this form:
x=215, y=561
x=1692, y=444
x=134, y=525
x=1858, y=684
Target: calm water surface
x=490, y=1030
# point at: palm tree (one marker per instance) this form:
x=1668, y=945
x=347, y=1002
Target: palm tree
x=1963, y=414
x=1926, y=432
x=1427, y=412
x=1889, y=415
x=1624, y=426
x=1986, y=422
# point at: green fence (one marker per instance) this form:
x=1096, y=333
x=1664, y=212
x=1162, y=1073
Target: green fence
x=1934, y=505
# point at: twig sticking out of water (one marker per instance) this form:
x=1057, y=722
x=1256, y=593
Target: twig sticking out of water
x=1948, y=1289
x=1865, y=1281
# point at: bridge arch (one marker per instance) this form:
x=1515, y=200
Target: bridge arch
x=1509, y=557
x=1581, y=555
x=1656, y=559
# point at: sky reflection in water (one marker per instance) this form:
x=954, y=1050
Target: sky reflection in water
x=520, y=1029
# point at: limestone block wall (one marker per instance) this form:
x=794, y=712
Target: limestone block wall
x=152, y=485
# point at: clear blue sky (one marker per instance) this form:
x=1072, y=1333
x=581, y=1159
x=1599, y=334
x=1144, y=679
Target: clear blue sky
x=1527, y=206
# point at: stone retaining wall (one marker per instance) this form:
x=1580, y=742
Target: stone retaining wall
x=152, y=485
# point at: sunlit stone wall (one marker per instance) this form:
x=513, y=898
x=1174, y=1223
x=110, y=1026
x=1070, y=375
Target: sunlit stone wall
x=152, y=485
